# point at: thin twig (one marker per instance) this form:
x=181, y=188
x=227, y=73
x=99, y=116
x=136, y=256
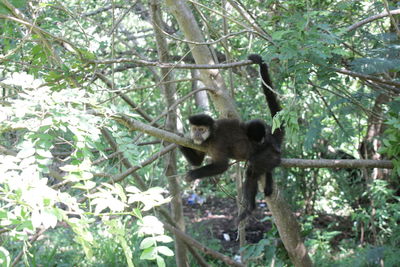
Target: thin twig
x=194, y=243
x=372, y=18
x=396, y=85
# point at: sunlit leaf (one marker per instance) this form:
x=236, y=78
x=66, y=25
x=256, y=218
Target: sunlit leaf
x=147, y=242
x=36, y=218
x=165, y=251
x=149, y=254
x=49, y=218
x=163, y=239
x=87, y=185
x=44, y=153
x=151, y=225
x=160, y=261
x=26, y=152
x=5, y=259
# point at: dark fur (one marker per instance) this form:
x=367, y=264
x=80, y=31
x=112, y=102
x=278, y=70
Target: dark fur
x=250, y=141
x=201, y=119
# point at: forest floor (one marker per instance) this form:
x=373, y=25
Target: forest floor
x=213, y=223
x=215, y=220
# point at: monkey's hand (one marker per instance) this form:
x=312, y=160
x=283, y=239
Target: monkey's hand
x=189, y=177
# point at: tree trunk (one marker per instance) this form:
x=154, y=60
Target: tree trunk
x=225, y=105
x=202, y=55
x=288, y=228
x=201, y=97
x=369, y=150
x=171, y=125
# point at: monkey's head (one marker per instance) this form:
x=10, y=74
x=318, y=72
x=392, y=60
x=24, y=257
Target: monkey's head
x=201, y=126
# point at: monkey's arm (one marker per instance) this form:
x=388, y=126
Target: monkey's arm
x=215, y=168
x=194, y=157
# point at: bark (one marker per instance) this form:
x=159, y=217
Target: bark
x=202, y=55
x=171, y=125
x=239, y=204
x=201, y=98
x=337, y=163
x=288, y=228
x=369, y=149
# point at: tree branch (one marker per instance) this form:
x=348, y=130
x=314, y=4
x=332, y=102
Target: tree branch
x=371, y=78
x=172, y=65
x=287, y=163
x=192, y=242
x=337, y=163
x=372, y=18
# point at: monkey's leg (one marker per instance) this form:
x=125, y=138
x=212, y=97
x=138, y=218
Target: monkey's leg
x=249, y=191
x=268, y=184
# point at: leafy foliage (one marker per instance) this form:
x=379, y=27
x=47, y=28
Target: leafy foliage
x=392, y=136
x=42, y=118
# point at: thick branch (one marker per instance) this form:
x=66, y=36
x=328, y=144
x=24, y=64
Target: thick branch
x=172, y=65
x=288, y=228
x=336, y=163
x=6, y=151
x=156, y=132
x=301, y=163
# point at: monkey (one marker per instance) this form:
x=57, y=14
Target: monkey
x=251, y=141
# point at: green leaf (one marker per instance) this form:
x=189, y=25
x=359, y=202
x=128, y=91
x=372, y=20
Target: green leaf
x=87, y=185
x=163, y=239
x=120, y=192
x=49, y=218
x=151, y=225
x=149, y=254
x=26, y=152
x=277, y=35
x=15, y=3
x=148, y=242
x=165, y=251
x=5, y=259
x=160, y=261
x=44, y=153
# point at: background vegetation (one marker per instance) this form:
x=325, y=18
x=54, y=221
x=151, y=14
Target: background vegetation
x=79, y=187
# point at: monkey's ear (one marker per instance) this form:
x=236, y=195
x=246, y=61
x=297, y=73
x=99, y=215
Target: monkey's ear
x=255, y=58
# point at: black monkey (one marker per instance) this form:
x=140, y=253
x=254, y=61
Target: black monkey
x=251, y=141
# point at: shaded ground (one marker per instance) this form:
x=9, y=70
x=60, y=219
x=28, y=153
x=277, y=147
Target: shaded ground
x=215, y=219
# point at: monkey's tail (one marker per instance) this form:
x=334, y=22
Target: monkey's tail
x=270, y=95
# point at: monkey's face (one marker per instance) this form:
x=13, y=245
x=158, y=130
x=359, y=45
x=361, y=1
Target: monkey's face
x=199, y=134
